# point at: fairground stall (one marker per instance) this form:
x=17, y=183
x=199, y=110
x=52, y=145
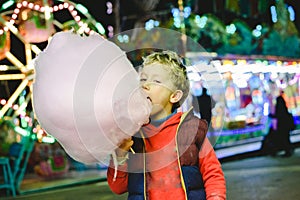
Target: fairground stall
x=250, y=87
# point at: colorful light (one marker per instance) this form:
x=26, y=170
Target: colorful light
x=48, y=10
x=7, y=4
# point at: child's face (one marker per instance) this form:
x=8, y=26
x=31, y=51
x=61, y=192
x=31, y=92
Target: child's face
x=155, y=81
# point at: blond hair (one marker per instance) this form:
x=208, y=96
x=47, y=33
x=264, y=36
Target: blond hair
x=173, y=63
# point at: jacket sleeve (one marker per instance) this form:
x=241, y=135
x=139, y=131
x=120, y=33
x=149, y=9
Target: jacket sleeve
x=212, y=173
x=119, y=183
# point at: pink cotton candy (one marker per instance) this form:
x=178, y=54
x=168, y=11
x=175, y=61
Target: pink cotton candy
x=86, y=94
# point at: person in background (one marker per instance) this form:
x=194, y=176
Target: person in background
x=285, y=124
x=203, y=105
x=173, y=158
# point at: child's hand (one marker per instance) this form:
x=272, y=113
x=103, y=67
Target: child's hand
x=124, y=147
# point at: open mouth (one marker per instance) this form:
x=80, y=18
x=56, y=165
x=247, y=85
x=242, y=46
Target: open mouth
x=149, y=99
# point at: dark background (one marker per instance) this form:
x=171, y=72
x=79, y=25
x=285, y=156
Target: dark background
x=130, y=12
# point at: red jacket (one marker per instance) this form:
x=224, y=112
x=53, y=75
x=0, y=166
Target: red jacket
x=182, y=136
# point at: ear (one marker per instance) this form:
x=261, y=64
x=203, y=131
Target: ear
x=176, y=96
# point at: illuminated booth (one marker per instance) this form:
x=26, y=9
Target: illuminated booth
x=251, y=85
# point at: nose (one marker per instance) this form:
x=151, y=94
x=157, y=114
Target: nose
x=145, y=86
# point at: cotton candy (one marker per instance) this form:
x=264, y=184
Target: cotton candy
x=86, y=94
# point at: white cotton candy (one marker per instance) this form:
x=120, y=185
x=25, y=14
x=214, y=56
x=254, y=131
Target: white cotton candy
x=86, y=94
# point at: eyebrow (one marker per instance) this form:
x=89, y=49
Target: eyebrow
x=152, y=75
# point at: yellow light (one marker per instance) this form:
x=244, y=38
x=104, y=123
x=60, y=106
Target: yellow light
x=11, y=76
x=28, y=52
x=241, y=62
x=8, y=25
x=35, y=49
x=47, y=13
x=24, y=16
x=14, y=60
x=13, y=97
x=82, y=28
x=227, y=62
x=3, y=67
x=48, y=139
x=279, y=62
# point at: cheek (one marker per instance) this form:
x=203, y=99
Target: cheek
x=160, y=97
x=156, y=108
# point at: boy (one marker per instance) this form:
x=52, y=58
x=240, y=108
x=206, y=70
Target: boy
x=173, y=159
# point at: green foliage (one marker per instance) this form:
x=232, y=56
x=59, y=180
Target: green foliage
x=215, y=30
x=214, y=37
x=192, y=28
x=280, y=39
x=278, y=45
x=3, y=40
x=240, y=42
x=208, y=30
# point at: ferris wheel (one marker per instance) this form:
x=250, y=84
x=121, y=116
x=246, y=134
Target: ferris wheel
x=31, y=23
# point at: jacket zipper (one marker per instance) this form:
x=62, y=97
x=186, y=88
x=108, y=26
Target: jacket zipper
x=144, y=168
x=177, y=151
